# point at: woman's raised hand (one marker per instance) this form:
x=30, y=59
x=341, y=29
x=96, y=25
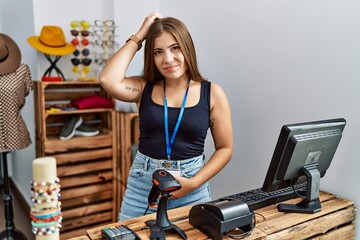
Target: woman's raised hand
x=146, y=24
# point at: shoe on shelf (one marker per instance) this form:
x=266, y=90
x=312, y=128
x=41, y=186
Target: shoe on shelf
x=86, y=131
x=68, y=131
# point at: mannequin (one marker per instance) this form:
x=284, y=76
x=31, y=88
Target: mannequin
x=15, y=85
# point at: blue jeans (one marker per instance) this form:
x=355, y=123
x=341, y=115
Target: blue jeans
x=139, y=184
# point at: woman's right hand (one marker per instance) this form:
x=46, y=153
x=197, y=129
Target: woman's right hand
x=146, y=25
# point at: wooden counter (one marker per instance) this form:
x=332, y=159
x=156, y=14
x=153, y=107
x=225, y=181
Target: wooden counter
x=334, y=221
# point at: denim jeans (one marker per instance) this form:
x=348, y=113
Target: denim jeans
x=139, y=184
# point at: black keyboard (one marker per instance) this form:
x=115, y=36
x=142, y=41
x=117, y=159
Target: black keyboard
x=257, y=198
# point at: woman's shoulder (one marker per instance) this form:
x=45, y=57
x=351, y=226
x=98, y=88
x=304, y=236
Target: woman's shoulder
x=216, y=88
x=217, y=92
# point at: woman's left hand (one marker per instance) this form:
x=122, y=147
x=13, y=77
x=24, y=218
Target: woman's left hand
x=186, y=186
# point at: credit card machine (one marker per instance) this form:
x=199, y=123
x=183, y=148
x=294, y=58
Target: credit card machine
x=120, y=232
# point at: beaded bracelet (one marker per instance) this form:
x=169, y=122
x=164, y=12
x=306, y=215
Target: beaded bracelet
x=47, y=215
x=38, y=209
x=45, y=231
x=33, y=183
x=45, y=192
x=46, y=224
x=49, y=219
x=46, y=188
x=46, y=200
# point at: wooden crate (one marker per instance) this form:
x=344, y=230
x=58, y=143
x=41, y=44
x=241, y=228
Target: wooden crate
x=86, y=166
x=127, y=133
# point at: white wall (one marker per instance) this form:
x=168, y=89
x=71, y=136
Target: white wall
x=34, y=15
x=279, y=61
x=19, y=28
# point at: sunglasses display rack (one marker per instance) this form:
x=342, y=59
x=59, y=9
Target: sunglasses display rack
x=104, y=42
x=81, y=56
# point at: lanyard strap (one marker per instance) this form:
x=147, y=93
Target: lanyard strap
x=166, y=122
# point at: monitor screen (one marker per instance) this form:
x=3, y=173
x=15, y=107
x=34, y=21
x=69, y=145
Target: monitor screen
x=303, y=153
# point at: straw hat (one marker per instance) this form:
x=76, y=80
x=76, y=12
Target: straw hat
x=51, y=41
x=10, y=55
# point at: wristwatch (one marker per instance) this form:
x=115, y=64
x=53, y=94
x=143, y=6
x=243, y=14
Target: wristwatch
x=136, y=40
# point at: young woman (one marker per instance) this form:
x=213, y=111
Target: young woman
x=177, y=106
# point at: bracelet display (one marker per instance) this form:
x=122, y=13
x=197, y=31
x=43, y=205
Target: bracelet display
x=136, y=40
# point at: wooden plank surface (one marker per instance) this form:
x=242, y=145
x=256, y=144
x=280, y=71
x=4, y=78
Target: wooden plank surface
x=310, y=228
x=347, y=232
x=74, y=234
x=79, y=180
x=78, y=212
x=88, y=167
x=334, y=220
x=82, y=191
x=115, y=142
x=74, y=224
x=177, y=216
x=87, y=199
x=127, y=134
x=82, y=237
x=82, y=156
x=57, y=145
x=70, y=94
x=293, y=219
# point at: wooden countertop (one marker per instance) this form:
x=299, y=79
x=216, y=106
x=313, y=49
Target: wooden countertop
x=334, y=221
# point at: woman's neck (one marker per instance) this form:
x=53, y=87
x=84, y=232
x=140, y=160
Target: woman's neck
x=179, y=83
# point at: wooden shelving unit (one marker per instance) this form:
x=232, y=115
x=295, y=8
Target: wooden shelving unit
x=87, y=166
x=127, y=133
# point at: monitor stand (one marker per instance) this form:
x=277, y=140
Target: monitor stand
x=312, y=202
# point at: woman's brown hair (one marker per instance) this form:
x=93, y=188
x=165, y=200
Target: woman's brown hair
x=183, y=38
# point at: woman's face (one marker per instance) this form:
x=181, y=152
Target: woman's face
x=168, y=57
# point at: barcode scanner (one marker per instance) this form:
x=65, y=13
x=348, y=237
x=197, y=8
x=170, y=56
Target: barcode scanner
x=163, y=185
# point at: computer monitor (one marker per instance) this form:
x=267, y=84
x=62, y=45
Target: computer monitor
x=303, y=153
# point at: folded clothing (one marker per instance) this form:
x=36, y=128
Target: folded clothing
x=93, y=101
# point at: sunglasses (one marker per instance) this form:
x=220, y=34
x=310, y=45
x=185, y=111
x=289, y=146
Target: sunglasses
x=107, y=43
x=85, y=52
x=83, y=61
x=83, y=42
x=100, y=61
x=83, y=33
x=101, y=32
x=106, y=23
x=83, y=24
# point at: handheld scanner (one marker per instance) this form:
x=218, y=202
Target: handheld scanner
x=163, y=183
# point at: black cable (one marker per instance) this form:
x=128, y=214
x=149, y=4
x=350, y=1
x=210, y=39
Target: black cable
x=261, y=216
x=146, y=210
x=244, y=234
x=297, y=193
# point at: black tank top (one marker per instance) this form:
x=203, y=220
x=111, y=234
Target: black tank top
x=190, y=138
